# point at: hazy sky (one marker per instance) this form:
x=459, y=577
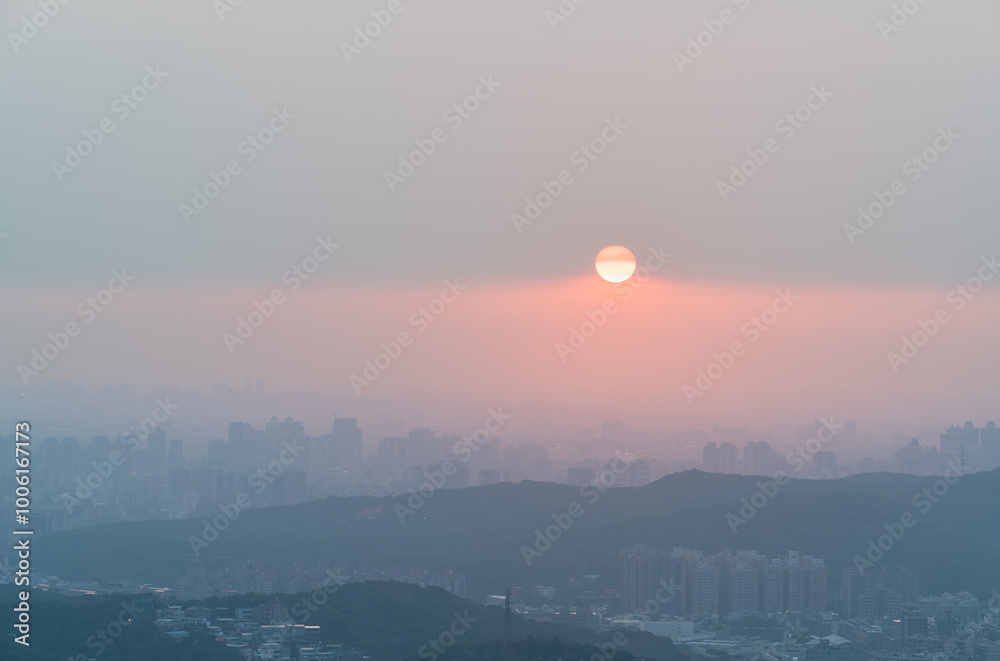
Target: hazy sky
x=655, y=185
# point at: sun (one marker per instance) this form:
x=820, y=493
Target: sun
x=615, y=264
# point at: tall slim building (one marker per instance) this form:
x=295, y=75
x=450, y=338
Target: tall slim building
x=774, y=578
x=705, y=587
x=639, y=577
x=816, y=590
x=758, y=458
x=677, y=572
x=711, y=460
x=242, y=439
x=346, y=444
x=745, y=587
x=158, y=448
x=175, y=454
x=853, y=585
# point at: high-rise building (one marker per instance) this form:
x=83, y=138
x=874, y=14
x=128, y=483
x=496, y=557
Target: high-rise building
x=816, y=590
x=774, y=590
x=825, y=465
x=746, y=587
x=157, y=448
x=956, y=438
x=851, y=590
x=175, y=454
x=242, y=439
x=758, y=458
x=741, y=582
x=705, y=588
x=878, y=602
x=711, y=459
x=616, y=470
x=677, y=572
x=989, y=443
x=394, y=452
x=345, y=444
x=639, y=576
x=638, y=473
x=729, y=458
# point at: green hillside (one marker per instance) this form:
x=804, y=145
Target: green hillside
x=481, y=531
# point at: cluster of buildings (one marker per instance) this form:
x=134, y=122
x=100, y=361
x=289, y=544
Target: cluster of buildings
x=759, y=458
x=977, y=447
x=778, y=609
x=628, y=472
x=882, y=612
x=265, y=631
x=942, y=627
x=973, y=448
x=878, y=593
x=222, y=576
x=686, y=582
x=156, y=478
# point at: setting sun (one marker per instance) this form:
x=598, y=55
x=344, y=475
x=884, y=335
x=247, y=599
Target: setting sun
x=615, y=264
